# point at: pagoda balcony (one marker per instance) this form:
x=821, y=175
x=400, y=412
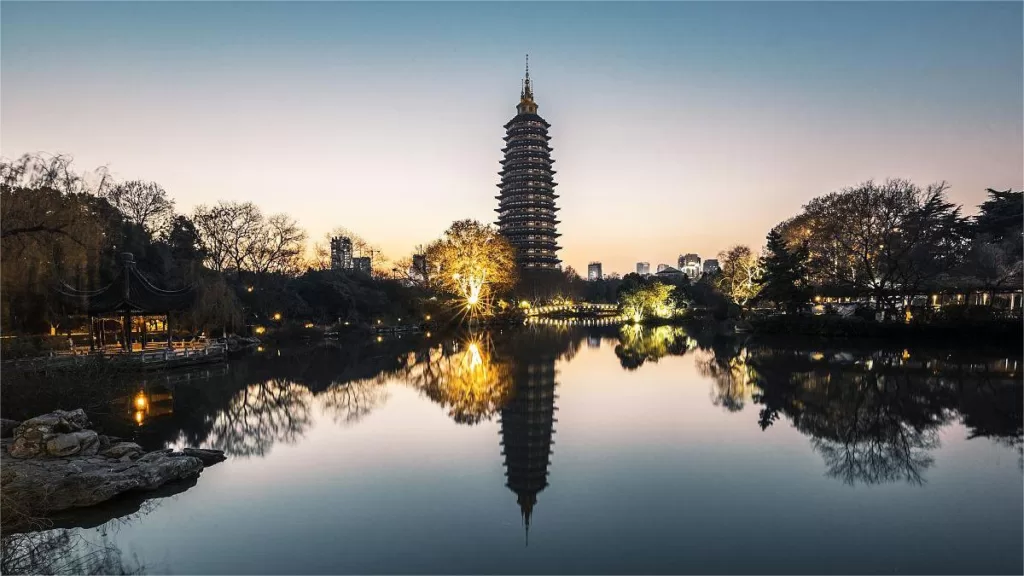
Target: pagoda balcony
x=528, y=206
x=524, y=118
x=545, y=214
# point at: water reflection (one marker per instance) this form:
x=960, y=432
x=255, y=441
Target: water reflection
x=872, y=415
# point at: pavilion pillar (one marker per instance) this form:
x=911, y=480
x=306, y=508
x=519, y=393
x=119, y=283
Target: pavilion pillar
x=128, y=331
x=142, y=335
x=167, y=324
x=92, y=334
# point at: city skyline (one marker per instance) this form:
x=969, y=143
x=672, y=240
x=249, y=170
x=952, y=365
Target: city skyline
x=677, y=127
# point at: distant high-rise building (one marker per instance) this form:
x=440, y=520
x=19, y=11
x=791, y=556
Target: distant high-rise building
x=594, y=271
x=526, y=204
x=341, y=253
x=662, y=267
x=711, y=266
x=363, y=264
x=643, y=268
x=689, y=265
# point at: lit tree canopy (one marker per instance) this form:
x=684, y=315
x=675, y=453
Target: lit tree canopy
x=647, y=300
x=739, y=274
x=471, y=261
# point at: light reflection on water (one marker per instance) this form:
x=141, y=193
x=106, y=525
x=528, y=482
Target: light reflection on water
x=672, y=448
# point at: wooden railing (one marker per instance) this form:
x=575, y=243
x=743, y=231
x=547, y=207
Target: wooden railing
x=206, y=351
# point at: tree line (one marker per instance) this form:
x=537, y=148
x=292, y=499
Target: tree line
x=888, y=242
x=62, y=224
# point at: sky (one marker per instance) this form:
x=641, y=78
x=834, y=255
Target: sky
x=676, y=127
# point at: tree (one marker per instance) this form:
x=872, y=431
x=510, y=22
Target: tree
x=995, y=257
x=739, y=273
x=783, y=273
x=281, y=248
x=644, y=300
x=472, y=261
x=143, y=203
x=884, y=240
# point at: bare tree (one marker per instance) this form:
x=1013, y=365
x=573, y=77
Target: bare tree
x=144, y=203
x=281, y=247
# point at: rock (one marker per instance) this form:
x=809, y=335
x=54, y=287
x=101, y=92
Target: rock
x=7, y=427
x=54, y=463
x=123, y=449
x=84, y=442
x=33, y=436
x=49, y=484
x=205, y=455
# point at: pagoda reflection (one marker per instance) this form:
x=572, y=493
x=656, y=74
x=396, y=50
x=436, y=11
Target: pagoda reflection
x=527, y=426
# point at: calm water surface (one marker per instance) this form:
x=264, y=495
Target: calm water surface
x=562, y=451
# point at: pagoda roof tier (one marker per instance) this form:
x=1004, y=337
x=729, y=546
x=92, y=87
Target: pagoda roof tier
x=512, y=216
x=526, y=166
x=510, y=194
x=526, y=118
x=535, y=154
x=546, y=148
x=527, y=182
x=526, y=137
x=526, y=205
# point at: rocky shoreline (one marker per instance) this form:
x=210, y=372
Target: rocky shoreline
x=54, y=462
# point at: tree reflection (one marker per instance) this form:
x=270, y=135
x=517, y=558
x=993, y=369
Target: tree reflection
x=349, y=402
x=733, y=378
x=260, y=415
x=639, y=344
x=467, y=379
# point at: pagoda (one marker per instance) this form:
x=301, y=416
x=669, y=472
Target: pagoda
x=526, y=204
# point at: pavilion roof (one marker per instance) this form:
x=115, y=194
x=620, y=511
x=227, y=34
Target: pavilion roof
x=131, y=292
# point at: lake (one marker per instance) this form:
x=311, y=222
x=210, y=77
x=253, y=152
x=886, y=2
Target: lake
x=559, y=449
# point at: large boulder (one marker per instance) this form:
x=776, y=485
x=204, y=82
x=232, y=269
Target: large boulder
x=53, y=435
x=53, y=484
x=55, y=463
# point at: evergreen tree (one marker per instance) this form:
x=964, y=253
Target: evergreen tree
x=783, y=277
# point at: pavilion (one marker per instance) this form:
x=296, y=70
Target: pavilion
x=129, y=295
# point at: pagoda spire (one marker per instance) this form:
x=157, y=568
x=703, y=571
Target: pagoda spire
x=527, y=93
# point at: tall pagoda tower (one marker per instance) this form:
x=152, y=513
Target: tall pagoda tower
x=527, y=427
x=526, y=204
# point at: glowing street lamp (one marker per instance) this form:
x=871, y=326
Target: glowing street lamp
x=277, y=316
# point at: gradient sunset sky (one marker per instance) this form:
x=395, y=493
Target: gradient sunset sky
x=676, y=127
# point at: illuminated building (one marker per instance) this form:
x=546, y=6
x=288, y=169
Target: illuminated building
x=341, y=253
x=711, y=266
x=643, y=268
x=527, y=427
x=526, y=203
x=689, y=265
x=594, y=271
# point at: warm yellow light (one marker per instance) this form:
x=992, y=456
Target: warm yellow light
x=260, y=330
x=399, y=319
x=259, y=348
x=380, y=338
x=277, y=315
x=248, y=289
x=378, y=321
x=428, y=334
x=428, y=318
x=817, y=298
x=138, y=417
x=309, y=324
x=524, y=304
x=906, y=354
x=473, y=299
x=140, y=401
